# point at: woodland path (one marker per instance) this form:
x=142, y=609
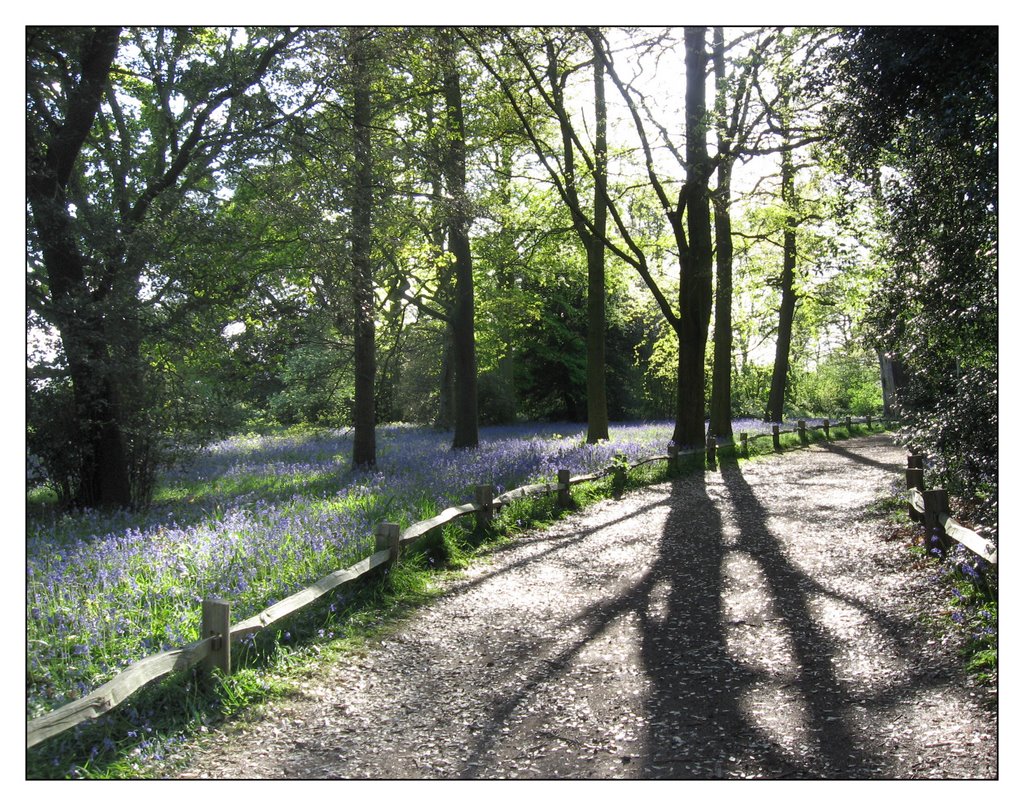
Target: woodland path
x=753, y=622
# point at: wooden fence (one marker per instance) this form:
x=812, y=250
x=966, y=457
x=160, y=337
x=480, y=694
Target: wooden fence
x=931, y=507
x=213, y=649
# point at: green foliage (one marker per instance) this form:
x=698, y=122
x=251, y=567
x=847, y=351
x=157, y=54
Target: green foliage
x=974, y=610
x=313, y=389
x=750, y=383
x=844, y=383
x=118, y=234
x=496, y=396
x=918, y=122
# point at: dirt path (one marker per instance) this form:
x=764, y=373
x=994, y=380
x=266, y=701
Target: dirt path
x=745, y=624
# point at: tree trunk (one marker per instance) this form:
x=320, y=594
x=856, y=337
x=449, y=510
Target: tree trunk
x=364, y=442
x=787, y=307
x=446, y=386
x=463, y=326
x=721, y=381
x=597, y=398
x=695, y=256
x=894, y=380
x=103, y=473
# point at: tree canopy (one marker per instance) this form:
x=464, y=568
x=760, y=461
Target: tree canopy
x=254, y=227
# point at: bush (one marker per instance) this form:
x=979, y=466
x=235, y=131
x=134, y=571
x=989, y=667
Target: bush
x=496, y=399
x=844, y=383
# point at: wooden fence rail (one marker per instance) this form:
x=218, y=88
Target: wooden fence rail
x=931, y=507
x=213, y=651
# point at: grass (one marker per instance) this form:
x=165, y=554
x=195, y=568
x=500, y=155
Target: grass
x=254, y=520
x=971, y=586
x=973, y=611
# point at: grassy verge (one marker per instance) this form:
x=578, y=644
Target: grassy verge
x=969, y=585
x=142, y=736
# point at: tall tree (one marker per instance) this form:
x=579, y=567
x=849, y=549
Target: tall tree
x=696, y=254
x=597, y=395
x=458, y=220
x=57, y=131
x=364, y=444
x=119, y=143
x=689, y=213
x=787, y=282
x=734, y=124
x=790, y=111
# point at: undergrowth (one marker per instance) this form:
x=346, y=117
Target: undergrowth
x=973, y=610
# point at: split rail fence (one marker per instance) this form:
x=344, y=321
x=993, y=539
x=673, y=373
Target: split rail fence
x=931, y=508
x=213, y=649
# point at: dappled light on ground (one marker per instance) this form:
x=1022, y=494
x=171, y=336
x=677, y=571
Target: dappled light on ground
x=693, y=630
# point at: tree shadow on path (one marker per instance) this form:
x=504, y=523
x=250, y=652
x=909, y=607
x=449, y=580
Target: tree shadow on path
x=890, y=467
x=741, y=677
x=742, y=681
x=779, y=713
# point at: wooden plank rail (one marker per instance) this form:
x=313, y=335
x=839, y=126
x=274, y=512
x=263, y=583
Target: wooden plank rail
x=297, y=601
x=212, y=651
x=969, y=538
x=920, y=510
x=523, y=492
x=447, y=516
x=116, y=691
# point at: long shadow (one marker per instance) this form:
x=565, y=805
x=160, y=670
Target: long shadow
x=697, y=726
x=698, y=717
x=853, y=456
x=691, y=719
x=841, y=748
x=557, y=544
x=835, y=751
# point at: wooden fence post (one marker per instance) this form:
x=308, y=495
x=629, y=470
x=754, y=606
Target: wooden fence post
x=801, y=426
x=216, y=621
x=775, y=438
x=388, y=539
x=673, y=458
x=711, y=449
x=825, y=427
x=849, y=424
x=564, y=496
x=915, y=481
x=618, y=475
x=935, y=503
x=869, y=422
x=743, y=443
x=484, y=494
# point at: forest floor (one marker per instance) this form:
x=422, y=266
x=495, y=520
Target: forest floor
x=757, y=621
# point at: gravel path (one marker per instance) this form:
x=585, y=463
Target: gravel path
x=747, y=623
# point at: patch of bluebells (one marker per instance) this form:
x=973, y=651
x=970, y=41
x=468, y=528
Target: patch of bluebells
x=973, y=605
x=107, y=589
